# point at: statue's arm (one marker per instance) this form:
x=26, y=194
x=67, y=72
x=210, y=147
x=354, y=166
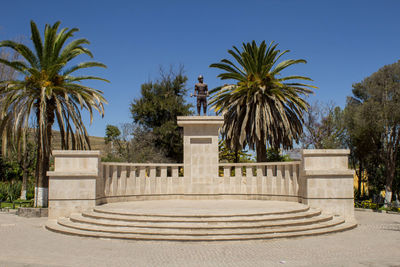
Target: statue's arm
x=195, y=90
x=206, y=89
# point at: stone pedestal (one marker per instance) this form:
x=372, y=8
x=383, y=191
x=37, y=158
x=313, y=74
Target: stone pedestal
x=200, y=142
x=72, y=184
x=326, y=182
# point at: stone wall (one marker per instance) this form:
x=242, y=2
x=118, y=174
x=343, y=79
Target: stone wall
x=326, y=181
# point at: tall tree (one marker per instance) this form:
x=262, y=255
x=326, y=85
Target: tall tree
x=377, y=100
x=262, y=107
x=363, y=139
x=157, y=110
x=324, y=127
x=133, y=143
x=49, y=92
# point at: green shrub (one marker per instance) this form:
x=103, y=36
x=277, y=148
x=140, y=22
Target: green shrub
x=30, y=191
x=366, y=204
x=390, y=209
x=14, y=190
x=3, y=191
x=10, y=191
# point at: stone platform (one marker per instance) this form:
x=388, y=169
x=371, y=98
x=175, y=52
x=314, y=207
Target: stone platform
x=200, y=220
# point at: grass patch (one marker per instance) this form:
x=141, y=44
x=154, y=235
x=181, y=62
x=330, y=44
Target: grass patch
x=16, y=204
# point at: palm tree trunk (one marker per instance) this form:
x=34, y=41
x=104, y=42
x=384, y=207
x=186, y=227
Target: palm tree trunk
x=41, y=190
x=261, y=149
x=43, y=158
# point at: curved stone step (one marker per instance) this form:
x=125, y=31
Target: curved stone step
x=193, y=231
x=105, y=209
x=54, y=226
x=206, y=220
x=78, y=218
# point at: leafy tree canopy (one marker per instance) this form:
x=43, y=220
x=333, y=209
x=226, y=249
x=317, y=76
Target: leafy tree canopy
x=157, y=109
x=324, y=127
x=374, y=122
x=112, y=133
x=227, y=155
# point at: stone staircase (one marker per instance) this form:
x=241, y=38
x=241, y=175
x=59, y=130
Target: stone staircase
x=201, y=220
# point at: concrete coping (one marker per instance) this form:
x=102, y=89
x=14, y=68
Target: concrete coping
x=327, y=172
x=222, y=164
x=143, y=164
x=75, y=153
x=200, y=120
x=72, y=174
x=325, y=152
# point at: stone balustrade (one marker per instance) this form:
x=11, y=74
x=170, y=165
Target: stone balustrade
x=128, y=181
x=135, y=181
x=268, y=180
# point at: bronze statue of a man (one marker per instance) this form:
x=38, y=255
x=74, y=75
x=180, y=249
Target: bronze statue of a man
x=201, y=91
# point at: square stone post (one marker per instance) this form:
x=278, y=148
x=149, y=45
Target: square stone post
x=72, y=184
x=200, y=146
x=326, y=182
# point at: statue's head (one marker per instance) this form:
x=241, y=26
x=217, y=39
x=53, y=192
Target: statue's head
x=200, y=78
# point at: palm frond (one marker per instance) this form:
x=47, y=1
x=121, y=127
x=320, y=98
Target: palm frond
x=261, y=108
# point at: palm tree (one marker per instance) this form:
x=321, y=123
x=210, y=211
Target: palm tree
x=49, y=93
x=262, y=107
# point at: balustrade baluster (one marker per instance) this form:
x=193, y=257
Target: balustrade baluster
x=114, y=180
x=238, y=179
x=163, y=179
x=130, y=181
x=279, y=181
x=175, y=171
x=295, y=181
x=227, y=174
x=122, y=181
x=260, y=177
x=106, y=176
x=288, y=182
x=142, y=179
x=270, y=185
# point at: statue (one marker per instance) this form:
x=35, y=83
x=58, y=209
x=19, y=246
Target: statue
x=201, y=91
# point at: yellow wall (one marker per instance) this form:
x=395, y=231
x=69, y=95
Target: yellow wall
x=364, y=186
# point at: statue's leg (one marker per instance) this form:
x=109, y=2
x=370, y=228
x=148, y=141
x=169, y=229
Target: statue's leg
x=205, y=106
x=198, y=106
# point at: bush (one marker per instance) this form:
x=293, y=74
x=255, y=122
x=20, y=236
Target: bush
x=3, y=191
x=10, y=191
x=30, y=191
x=14, y=190
x=366, y=204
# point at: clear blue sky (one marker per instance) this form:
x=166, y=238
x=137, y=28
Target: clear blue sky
x=343, y=41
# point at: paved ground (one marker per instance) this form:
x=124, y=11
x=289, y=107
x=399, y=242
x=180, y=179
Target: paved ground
x=376, y=242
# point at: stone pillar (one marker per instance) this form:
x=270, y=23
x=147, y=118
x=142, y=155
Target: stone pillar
x=326, y=182
x=200, y=144
x=72, y=184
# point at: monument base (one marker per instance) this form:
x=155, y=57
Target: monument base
x=200, y=145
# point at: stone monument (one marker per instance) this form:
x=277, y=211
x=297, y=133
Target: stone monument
x=200, y=146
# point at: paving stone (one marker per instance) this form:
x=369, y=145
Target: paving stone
x=375, y=242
